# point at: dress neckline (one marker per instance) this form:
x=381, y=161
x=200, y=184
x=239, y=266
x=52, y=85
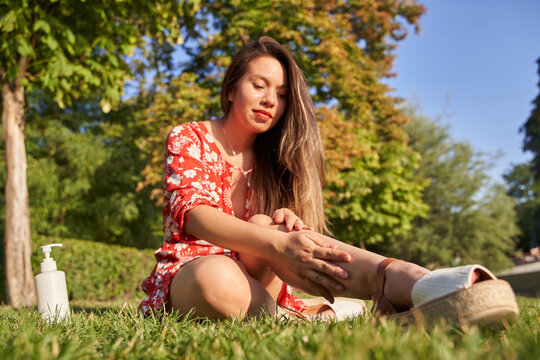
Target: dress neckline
x=202, y=126
x=203, y=129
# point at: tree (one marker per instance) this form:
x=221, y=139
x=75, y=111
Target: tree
x=525, y=189
x=345, y=50
x=468, y=219
x=66, y=48
x=83, y=170
x=531, y=129
x=524, y=180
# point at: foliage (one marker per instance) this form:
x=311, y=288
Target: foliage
x=77, y=46
x=524, y=180
x=105, y=332
x=469, y=220
x=344, y=49
x=531, y=129
x=95, y=271
x=523, y=187
x=115, y=211
x=180, y=101
x=63, y=154
x=83, y=171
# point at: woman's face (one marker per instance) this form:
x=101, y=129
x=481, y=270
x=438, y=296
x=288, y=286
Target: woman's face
x=259, y=99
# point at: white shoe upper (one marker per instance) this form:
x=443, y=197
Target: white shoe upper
x=445, y=281
x=344, y=309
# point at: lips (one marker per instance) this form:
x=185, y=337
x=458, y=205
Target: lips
x=263, y=114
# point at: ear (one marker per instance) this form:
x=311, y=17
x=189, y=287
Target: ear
x=230, y=97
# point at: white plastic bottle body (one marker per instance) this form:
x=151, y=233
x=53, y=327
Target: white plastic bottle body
x=53, y=304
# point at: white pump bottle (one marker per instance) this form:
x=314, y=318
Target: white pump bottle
x=51, y=289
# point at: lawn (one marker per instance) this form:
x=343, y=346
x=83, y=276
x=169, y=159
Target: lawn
x=113, y=330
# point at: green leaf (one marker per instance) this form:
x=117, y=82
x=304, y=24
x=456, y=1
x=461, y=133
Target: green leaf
x=69, y=36
x=42, y=25
x=9, y=22
x=51, y=42
x=23, y=47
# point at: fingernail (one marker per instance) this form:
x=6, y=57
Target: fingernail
x=344, y=275
x=339, y=287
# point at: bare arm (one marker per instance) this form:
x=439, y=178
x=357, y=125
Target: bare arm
x=310, y=260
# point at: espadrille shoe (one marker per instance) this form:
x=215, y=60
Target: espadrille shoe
x=346, y=308
x=342, y=308
x=450, y=294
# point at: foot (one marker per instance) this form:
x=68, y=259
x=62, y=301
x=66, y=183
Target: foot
x=444, y=281
x=395, y=281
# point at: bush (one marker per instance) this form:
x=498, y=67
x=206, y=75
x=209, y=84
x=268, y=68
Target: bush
x=94, y=271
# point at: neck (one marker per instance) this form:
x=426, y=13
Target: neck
x=236, y=140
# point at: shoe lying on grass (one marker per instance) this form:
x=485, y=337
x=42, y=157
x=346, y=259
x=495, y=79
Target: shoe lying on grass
x=452, y=295
x=320, y=309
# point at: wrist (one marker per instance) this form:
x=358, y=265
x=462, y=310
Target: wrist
x=276, y=243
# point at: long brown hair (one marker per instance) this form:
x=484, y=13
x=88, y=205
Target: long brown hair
x=289, y=166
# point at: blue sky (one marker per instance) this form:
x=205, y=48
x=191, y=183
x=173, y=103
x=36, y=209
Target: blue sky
x=475, y=64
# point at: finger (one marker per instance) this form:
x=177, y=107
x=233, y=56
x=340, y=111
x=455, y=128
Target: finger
x=322, y=291
x=331, y=269
x=331, y=254
x=315, y=288
x=318, y=239
x=278, y=216
x=298, y=225
x=330, y=246
x=326, y=285
x=312, y=288
x=290, y=219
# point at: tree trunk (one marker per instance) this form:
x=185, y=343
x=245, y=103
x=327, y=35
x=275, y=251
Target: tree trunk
x=20, y=288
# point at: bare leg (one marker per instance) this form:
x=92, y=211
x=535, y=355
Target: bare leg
x=362, y=270
x=218, y=287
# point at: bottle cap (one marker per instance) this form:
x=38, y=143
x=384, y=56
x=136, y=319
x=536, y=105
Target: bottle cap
x=48, y=263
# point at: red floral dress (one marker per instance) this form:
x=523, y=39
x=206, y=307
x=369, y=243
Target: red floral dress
x=195, y=173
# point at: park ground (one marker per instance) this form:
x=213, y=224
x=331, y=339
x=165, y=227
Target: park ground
x=114, y=330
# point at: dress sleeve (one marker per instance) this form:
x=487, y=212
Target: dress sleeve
x=187, y=181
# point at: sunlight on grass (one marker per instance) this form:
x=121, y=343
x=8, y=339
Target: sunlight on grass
x=115, y=330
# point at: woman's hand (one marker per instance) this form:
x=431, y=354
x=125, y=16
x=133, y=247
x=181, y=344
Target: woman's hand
x=289, y=219
x=306, y=262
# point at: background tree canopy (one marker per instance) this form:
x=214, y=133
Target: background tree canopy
x=469, y=220
x=524, y=180
x=394, y=185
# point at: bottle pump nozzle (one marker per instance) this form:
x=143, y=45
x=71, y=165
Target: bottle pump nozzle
x=48, y=263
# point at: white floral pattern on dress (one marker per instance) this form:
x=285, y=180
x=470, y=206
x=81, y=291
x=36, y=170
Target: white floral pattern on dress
x=195, y=173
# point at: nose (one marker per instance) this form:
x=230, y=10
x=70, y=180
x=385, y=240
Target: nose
x=269, y=98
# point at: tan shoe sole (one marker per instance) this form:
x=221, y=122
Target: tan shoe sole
x=490, y=302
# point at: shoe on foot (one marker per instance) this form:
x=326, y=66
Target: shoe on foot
x=450, y=294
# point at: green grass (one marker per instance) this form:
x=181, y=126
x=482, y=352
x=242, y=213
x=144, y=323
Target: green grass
x=116, y=331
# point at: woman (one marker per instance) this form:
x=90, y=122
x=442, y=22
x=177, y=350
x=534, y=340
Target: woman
x=222, y=256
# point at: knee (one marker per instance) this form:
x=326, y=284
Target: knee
x=223, y=288
x=261, y=219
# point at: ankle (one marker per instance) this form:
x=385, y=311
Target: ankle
x=400, y=280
